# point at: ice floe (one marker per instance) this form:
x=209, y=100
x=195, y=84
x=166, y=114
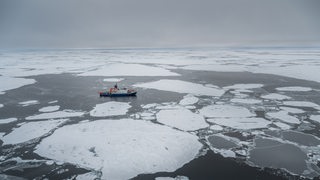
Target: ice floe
x=301, y=104
x=57, y=114
x=129, y=70
x=244, y=86
x=1, y=105
x=283, y=116
x=111, y=108
x=292, y=110
x=52, y=102
x=241, y=122
x=216, y=128
x=115, y=147
x=30, y=130
x=170, y=178
x=50, y=108
x=8, y=120
x=87, y=176
x=275, y=96
x=225, y=111
x=188, y=100
x=29, y=103
x=246, y=101
x=113, y=79
x=182, y=119
x=282, y=125
x=181, y=87
x=9, y=83
x=294, y=88
x=315, y=118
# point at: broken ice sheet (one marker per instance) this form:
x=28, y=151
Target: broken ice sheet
x=111, y=108
x=30, y=130
x=115, y=147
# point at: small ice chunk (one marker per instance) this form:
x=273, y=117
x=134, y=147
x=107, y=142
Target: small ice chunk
x=216, y=127
x=244, y=86
x=52, y=102
x=300, y=104
x=9, y=83
x=113, y=79
x=111, y=108
x=282, y=125
x=294, y=88
x=30, y=130
x=8, y=120
x=283, y=116
x=182, y=119
x=275, y=96
x=182, y=87
x=49, y=109
x=246, y=101
x=188, y=100
x=292, y=110
x=225, y=111
x=29, y=103
x=315, y=118
x=55, y=115
x=1, y=105
x=241, y=122
x=227, y=153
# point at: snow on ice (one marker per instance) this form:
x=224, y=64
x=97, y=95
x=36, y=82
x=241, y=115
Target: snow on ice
x=115, y=147
x=182, y=87
x=111, y=108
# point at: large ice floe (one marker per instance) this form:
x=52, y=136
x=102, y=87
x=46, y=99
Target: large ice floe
x=225, y=111
x=182, y=87
x=182, y=119
x=283, y=116
x=129, y=70
x=241, y=122
x=57, y=114
x=8, y=83
x=111, y=108
x=301, y=104
x=294, y=88
x=30, y=130
x=121, y=149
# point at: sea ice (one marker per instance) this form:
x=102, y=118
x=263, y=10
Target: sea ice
x=216, y=127
x=182, y=87
x=129, y=70
x=113, y=79
x=30, y=130
x=50, y=108
x=246, y=101
x=275, y=96
x=292, y=110
x=9, y=83
x=294, y=88
x=283, y=116
x=57, y=114
x=8, y=120
x=241, y=122
x=170, y=178
x=315, y=118
x=244, y=86
x=182, y=119
x=29, y=103
x=300, y=104
x=116, y=147
x=111, y=108
x=52, y=102
x=87, y=176
x=188, y=100
x=225, y=111
x=282, y=125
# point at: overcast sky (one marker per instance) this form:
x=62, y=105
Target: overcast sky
x=157, y=23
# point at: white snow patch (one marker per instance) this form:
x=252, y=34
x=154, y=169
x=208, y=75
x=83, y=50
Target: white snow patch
x=246, y=101
x=115, y=147
x=30, y=130
x=225, y=111
x=188, y=100
x=275, y=96
x=216, y=127
x=113, y=79
x=129, y=70
x=315, y=118
x=241, y=122
x=182, y=87
x=9, y=83
x=282, y=125
x=283, y=116
x=111, y=108
x=292, y=110
x=8, y=120
x=54, y=115
x=182, y=119
x=294, y=88
x=244, y=86
x=49, y=108
x=29, y=103
x=301, y=104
